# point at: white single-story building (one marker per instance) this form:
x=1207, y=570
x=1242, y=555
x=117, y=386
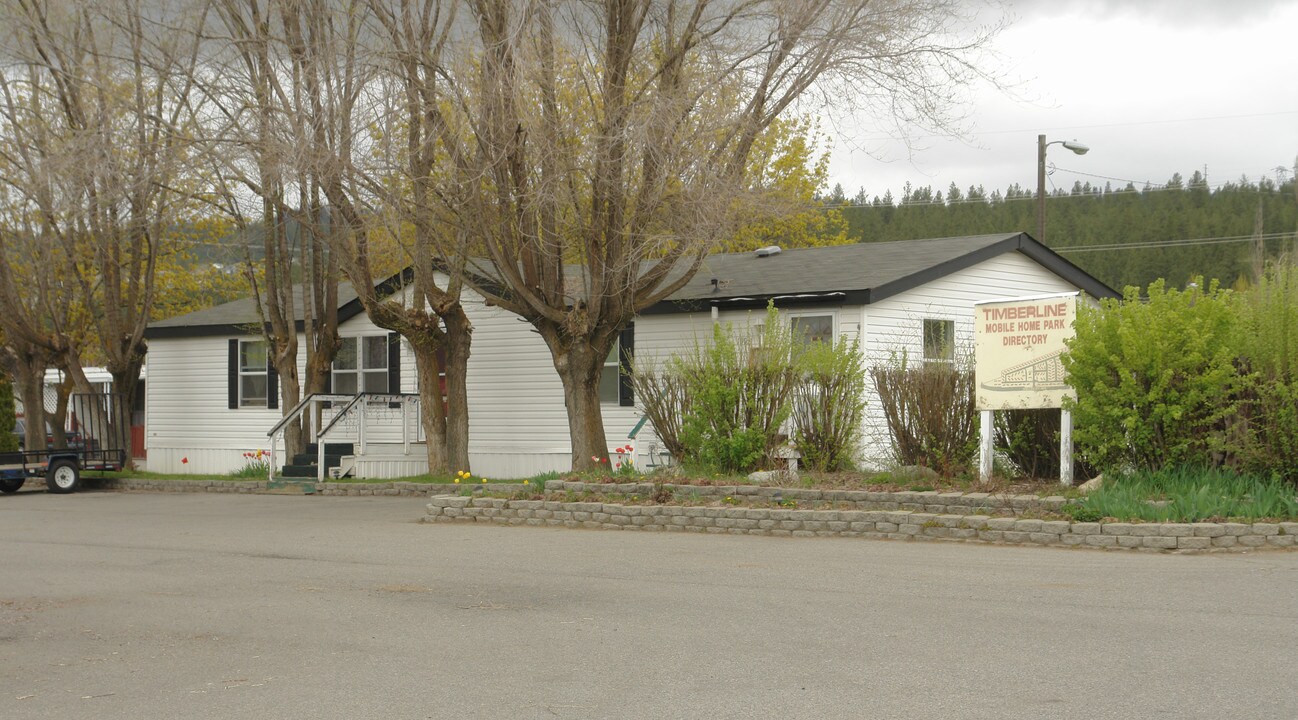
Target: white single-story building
x=211, y=398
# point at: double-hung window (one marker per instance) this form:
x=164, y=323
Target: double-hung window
x=253, y=380
x=361, y=365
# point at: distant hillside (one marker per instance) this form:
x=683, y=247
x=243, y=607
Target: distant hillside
x=1123, y=236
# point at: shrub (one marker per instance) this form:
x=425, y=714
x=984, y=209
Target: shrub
x=828, y=404
x=8, y=441
x=1155, y=380
x=662, y=395
x=1269, y=349
x=1030, y=439
x=929, y=411
x=738, y=387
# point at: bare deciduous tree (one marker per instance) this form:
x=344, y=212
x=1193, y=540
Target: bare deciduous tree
x=261, y=146
x=596, y=152
x=102, y=148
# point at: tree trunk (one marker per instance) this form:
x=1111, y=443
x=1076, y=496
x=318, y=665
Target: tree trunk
x=458, y=342
x=579, y=368
x=430, y=405
x=125, y=381
x=58, y=422
x=290, y=394
x=30, y=371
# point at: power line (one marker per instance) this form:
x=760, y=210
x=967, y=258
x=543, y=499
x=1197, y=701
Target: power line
x=1184, y=242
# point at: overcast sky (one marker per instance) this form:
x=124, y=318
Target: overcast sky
x=1152, y=86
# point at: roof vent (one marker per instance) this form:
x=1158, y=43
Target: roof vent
x=768, y=251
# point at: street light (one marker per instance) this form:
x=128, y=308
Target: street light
x=1073, y=145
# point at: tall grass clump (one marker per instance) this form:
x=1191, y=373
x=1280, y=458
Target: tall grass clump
x=1191, y=494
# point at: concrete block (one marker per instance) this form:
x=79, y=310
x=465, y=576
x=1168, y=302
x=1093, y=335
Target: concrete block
x=1193, y=543
x=1027, y=526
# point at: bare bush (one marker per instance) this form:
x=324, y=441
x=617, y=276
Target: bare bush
x=930, y=415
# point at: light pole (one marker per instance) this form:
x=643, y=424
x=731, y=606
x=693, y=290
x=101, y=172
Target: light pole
x=1073, y=145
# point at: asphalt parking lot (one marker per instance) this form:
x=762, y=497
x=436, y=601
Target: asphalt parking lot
x=117, y=605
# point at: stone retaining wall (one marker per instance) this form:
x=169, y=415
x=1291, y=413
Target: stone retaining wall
x=931, y=501
x=889, y=524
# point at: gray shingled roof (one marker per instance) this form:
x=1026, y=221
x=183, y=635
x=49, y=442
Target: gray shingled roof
x=860, y=273
x=863, y=272
x=227, y=317
x=861, y=266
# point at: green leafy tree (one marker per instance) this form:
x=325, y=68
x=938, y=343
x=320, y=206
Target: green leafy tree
x=1155, y=378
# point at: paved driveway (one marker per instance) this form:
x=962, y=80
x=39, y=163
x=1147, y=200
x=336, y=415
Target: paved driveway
x=239, y=606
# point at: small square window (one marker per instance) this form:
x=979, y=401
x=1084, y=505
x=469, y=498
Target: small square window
x=813, y=328
x=939, y=340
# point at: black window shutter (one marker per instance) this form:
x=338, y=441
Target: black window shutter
x=394, y=363
x=233, y=375
x=272, y=379
x=625, y=395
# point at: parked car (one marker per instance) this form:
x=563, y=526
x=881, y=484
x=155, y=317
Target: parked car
x=75, y=441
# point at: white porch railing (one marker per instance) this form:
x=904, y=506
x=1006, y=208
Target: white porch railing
x=346, y=409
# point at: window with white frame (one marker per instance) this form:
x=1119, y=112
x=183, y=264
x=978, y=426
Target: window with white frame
x=813, y=327
x=253, y=383
x=361, y=365
x=610, y=378
x=939, y=340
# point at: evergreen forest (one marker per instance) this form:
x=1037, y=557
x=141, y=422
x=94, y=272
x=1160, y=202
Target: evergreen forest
x=1123, y=236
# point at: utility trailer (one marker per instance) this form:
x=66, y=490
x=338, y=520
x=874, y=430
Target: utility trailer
x=60, y=468
x=93, y=427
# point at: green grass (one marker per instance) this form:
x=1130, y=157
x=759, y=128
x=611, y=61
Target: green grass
x=1188, y=495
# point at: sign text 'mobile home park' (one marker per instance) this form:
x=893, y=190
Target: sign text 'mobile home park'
x=1017, y=345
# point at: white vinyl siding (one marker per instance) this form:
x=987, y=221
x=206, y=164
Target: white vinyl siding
x=518, y=425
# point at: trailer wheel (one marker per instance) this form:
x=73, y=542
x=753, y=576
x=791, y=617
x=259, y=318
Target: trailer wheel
x=63, y=476
x=10, y=486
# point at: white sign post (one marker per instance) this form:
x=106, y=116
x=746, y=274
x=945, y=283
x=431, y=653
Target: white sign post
x=1017, y=347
